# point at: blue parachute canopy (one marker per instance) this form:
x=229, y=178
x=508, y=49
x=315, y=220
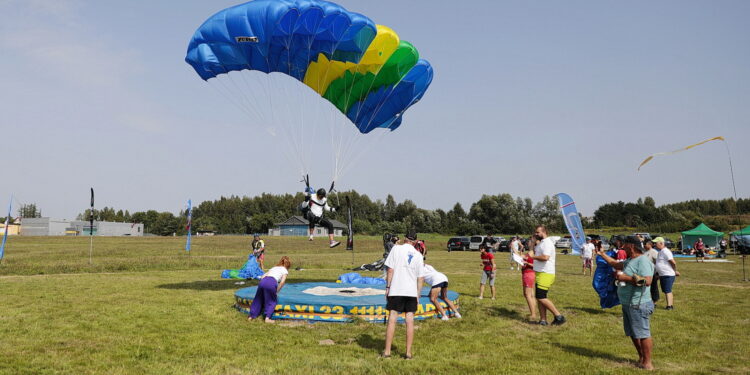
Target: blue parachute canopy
x=355, y=278
x=365, y=70
x=604, y=282
x=251, y=270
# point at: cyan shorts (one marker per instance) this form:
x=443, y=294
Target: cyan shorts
x=666, y=283
x=636, y=320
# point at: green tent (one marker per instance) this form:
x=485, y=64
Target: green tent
x=710, y=237
x=742, y=232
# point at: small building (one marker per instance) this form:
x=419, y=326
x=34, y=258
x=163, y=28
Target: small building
x=105, y=228
x=297, y=226
x=43, y=226
x=13, y=229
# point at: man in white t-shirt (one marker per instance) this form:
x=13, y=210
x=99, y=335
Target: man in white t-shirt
x=587, y=253
x=667, y=270
x=515, y=247
x=544, y=267
x=403, y=283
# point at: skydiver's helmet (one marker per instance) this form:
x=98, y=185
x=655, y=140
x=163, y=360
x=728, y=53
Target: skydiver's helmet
x=387, y=237
x=321, y=193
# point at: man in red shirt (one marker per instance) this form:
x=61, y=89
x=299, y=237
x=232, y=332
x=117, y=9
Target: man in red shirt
x=488, y=270
x=700, y=250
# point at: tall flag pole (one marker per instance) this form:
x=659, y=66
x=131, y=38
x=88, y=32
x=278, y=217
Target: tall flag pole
x=91, y=227
x=189, y=224
x=572, y=222
x=5, y=234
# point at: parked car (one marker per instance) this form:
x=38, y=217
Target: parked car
x=564, y=243
x=504, y=246
x=458, y=243
x=645, y=236
x=475, y=241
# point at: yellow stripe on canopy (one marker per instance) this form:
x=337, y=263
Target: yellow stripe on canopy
x=648, y=159
x=321, y=73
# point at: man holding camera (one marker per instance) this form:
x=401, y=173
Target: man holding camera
x=633, y=281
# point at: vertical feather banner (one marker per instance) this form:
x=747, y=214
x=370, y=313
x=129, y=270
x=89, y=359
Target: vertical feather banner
x=572, y=222
x=91, y=227
x=5, y=233
x=189, y=224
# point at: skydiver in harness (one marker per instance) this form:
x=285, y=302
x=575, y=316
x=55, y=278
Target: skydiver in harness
x=314, y=208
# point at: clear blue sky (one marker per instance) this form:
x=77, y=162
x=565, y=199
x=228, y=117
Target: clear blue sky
x=529, y=97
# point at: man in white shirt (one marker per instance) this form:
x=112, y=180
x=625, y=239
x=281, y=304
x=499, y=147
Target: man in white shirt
x=544, y=267
x=667, y=270
x=403, y=283
x=515, y=247
x=587, y=253
x=314, y=207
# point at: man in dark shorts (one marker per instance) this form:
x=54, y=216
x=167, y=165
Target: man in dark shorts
x=700, y=250
x=403, y=283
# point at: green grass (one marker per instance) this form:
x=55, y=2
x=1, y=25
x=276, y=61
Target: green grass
x=145, y=307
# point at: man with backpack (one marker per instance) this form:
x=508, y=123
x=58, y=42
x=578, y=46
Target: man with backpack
x=314, y=208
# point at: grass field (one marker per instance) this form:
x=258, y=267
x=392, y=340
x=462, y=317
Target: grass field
x=146, y=307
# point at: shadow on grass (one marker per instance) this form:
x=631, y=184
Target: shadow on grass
x=593, y=353
x=216, y=285
x=588, y=310
x=506, y=313
x=210, y=285
x=367, y=341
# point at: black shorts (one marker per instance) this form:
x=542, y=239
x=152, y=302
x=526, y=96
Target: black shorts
x=540, y=293
x=402, y=304
x=442, y=285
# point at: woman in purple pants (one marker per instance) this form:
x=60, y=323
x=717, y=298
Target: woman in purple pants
x=270, y=285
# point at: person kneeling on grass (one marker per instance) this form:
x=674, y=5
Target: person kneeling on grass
x=269, y=287
x=439, y=284
x=634, y=277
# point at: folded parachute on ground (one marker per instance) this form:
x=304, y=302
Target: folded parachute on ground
x=355, y=278
x=363, y=69
x=604, y=282
x=251, y=270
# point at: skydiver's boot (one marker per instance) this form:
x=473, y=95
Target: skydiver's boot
x=335, y=243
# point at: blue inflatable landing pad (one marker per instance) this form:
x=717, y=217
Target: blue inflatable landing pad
x=336, y=302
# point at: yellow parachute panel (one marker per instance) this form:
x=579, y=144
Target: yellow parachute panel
x=321, y=73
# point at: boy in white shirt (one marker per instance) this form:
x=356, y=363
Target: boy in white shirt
x=403, y=283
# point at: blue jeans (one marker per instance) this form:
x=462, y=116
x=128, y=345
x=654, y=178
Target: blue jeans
x=636, y=320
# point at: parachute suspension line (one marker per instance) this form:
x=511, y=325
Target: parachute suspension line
x=731, y=172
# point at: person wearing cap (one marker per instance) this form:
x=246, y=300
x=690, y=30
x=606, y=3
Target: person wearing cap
x=402, y=289
x=634, y=278
x=544, y=270
x=587, y=253
x=259, y=250
x=314, y=207
x=666, y=267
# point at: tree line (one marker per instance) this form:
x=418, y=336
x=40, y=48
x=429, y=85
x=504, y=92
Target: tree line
x=500, y=213
x=722, y=215
x=245, y=215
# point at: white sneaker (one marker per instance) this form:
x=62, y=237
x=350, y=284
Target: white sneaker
x=457, y=315
x=445, y=318
x=335, y=243
x=480, y=297
x=310, y=238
